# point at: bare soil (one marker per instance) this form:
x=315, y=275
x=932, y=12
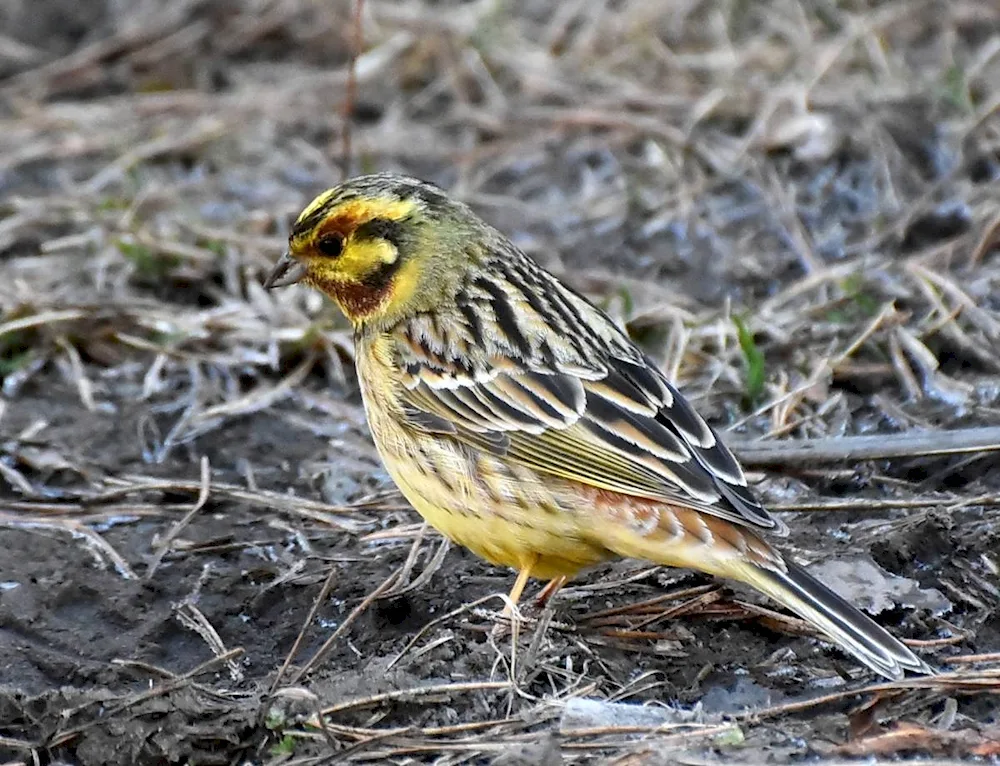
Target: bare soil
x=201, y=558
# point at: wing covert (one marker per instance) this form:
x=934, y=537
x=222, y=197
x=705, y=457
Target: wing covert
x=509, y=373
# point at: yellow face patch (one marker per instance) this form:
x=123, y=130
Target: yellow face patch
x=362, y=259
x=407, y=281
x=360, y=256
x=362, y=276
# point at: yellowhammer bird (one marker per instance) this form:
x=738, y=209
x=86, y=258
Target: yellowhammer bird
x=522, y=423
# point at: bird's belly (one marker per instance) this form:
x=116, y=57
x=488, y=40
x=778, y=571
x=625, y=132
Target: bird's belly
x=500, y=542
x=508, y=517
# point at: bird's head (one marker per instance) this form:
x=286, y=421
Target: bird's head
x=381, y=246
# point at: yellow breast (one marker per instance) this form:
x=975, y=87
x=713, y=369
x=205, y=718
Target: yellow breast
x=503, y=513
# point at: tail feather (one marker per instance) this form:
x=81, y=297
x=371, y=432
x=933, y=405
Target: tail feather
x=685, y=537
x=847, y=626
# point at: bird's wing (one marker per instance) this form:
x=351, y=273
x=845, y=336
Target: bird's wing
x=527, y=369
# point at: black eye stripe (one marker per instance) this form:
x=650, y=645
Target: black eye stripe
x=382, y=228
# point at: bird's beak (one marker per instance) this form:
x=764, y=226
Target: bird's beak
x=287, y=271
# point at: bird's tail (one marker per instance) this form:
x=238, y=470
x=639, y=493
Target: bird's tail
x=853, y=631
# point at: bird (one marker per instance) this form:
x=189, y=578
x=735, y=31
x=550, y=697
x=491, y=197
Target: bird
x=524, y=424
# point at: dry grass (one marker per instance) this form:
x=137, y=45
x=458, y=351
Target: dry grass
x=792, y=205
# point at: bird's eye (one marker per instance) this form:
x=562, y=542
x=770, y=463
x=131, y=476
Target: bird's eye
x=331, y=245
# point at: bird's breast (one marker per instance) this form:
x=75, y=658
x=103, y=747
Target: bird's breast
x=503, y=513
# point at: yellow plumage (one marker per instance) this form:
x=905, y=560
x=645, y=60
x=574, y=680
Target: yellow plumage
x=522, y=423
x=475, y=499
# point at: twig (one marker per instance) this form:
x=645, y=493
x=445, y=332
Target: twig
x=874, y=504
x=11, y=743
x=370, y=599
x=853, y=448
x=963, y=659
x=642, y=607
x=686, y=760
x=176, y=682
x=164, y=545
x=302, y=506
x=360, y=732
x=963, y=680
x=416, y=692
x=46, y=317
x=81, y=531
x=192, y=618
x=323, y=593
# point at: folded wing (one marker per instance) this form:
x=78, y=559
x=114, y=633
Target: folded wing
x=527, y=369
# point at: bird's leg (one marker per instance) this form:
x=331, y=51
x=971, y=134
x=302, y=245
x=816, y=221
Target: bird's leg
x=510, y=610
x=515, y=593
x=551, y=588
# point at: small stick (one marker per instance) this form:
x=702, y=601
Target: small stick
x=969, y=658
x=415, y=693
x=853, y=448
x=370, y=599
x=293, y=652
x=161, y=548
x=871, y=504
x=987, y=681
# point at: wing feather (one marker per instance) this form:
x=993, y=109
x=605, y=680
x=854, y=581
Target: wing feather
x=555, y=386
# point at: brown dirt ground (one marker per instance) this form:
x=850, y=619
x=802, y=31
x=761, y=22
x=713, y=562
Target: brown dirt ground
x=187, y=485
